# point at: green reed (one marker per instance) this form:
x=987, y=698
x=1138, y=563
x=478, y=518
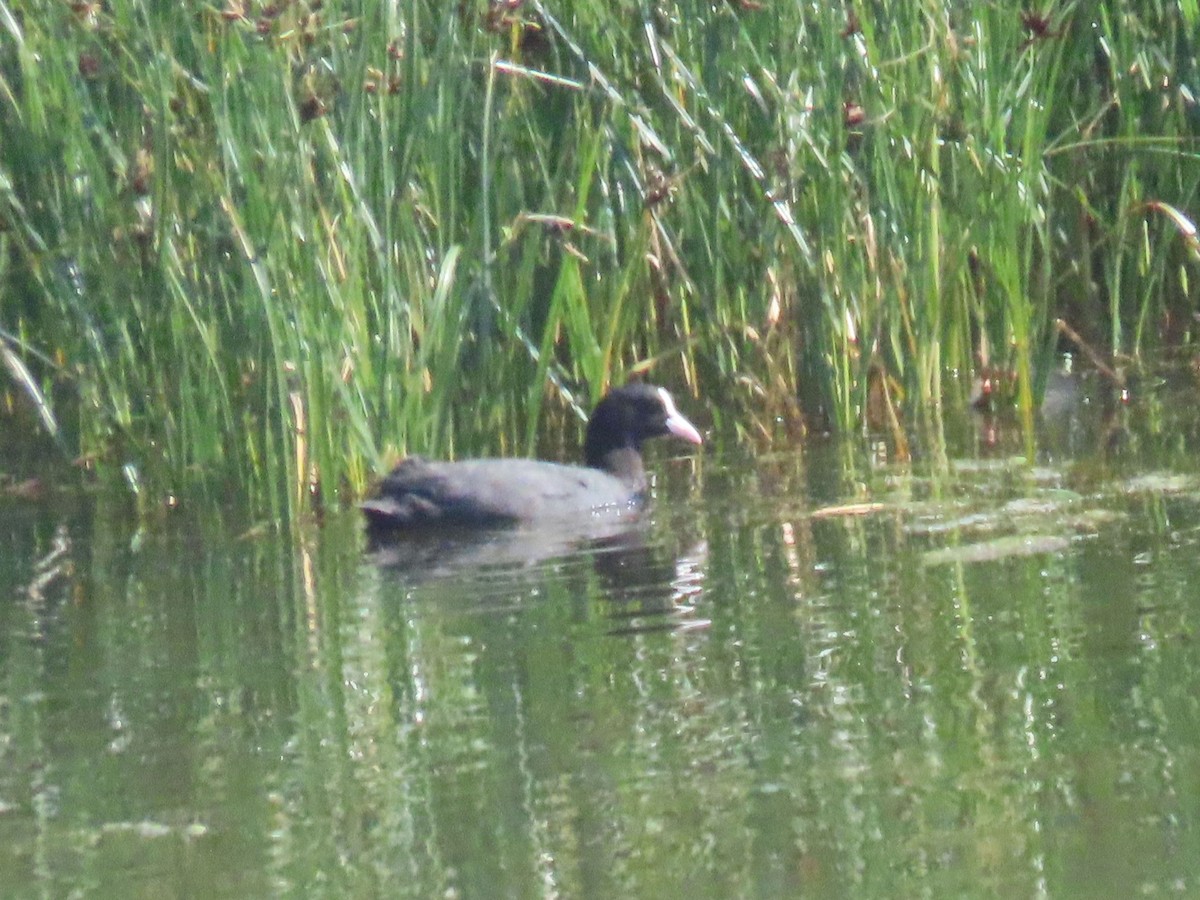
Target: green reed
x=270, y=248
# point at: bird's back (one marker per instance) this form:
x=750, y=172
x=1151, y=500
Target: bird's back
x=494, y=492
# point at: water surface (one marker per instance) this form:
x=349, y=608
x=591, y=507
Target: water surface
x=803, y=675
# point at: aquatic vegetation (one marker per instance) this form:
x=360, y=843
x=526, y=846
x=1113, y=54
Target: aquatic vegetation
x=268, y=248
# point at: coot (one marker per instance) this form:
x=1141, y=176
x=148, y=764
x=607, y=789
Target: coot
x=483, y=493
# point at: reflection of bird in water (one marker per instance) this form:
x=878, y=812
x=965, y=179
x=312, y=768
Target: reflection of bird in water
x=441, y=552
x=644, y=587
x=649, y=593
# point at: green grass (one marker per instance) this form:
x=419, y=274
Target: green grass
x=266, y=254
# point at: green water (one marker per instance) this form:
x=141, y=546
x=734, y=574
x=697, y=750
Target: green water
x=986, y=682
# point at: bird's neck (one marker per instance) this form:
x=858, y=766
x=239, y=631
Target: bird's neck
x=624, y=463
